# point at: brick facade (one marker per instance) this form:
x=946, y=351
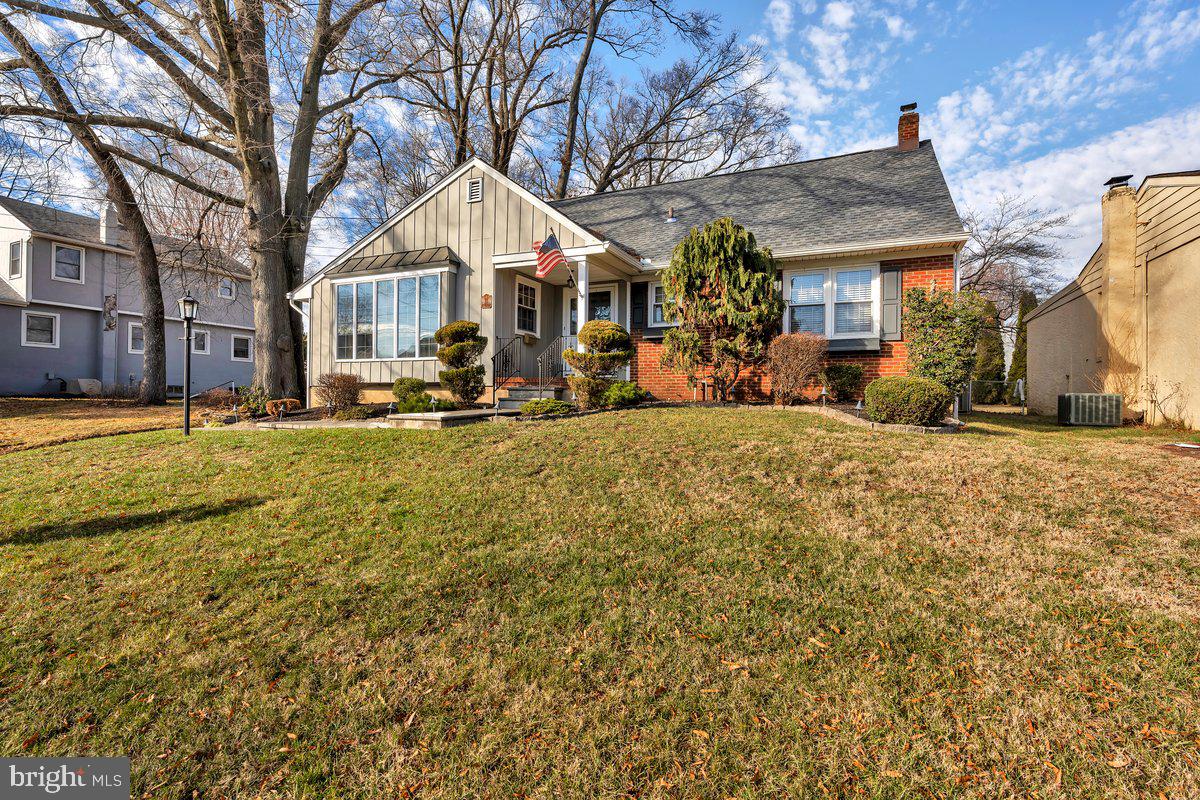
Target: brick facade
x=891, y=359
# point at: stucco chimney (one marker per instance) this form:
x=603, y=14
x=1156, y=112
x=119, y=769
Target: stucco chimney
x=909, y=127
x=1122, y=300
x=110, y=227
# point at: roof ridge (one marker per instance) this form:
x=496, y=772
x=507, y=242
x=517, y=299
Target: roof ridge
x=555, y=203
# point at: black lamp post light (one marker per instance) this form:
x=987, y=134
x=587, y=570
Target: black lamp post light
x=187, y=312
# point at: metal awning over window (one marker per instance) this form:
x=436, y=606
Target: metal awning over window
x=390, y=262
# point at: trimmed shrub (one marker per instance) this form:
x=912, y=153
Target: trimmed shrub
x=422, y=403
x=589, y=392
x=546, y=405
x=607, y=346
x=602, y=336
x=793, y=360
x=622, y=394
x=354, y=412
x=339, y=390
x=461, y=346
x=900, y=400
x=286, y=404
x=403, y=387
x=842, y=380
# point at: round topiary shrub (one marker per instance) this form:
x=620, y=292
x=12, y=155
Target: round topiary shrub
x=404, y=387
x=461, y=347
x=907, y=401
x=842, y=380
x=608, y=350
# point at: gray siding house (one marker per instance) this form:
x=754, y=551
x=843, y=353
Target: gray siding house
x=71, y=305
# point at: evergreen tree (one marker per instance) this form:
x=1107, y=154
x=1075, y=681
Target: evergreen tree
x=720, y=287
x=1017, y=369
x=988, y=371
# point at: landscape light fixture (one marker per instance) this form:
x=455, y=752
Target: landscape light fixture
x=187, y=312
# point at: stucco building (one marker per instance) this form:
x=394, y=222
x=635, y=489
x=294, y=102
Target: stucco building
x=1128, y=323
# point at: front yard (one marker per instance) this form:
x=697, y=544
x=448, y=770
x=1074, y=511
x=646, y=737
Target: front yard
x=27, y=422
x=655, y=603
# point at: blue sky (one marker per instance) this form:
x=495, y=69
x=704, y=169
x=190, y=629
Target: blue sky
x=1041, y=99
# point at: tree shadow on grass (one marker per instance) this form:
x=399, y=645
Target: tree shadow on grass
x=123, y=523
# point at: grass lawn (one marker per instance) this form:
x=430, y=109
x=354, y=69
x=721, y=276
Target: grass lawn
x=658, y=603
x=27, y=422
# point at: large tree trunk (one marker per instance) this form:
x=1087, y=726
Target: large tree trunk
x=567, y=157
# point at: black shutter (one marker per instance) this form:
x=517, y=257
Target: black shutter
x=637, y=305
x=890, y=327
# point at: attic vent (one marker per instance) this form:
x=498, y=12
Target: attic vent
x=474, y=190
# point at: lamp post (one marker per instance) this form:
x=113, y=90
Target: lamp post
x=187, y=312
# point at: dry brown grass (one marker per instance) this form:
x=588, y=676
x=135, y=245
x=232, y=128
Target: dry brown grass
x=28, y=422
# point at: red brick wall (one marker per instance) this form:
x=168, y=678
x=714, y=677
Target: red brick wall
x=921, y=272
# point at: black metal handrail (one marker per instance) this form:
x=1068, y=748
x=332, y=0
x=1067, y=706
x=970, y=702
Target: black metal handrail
x=506, y=364
x=551, y=366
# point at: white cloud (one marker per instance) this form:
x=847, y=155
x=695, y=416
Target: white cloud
x=779, y=17
x=1072, y=178
x=839, y=15
x=794, y=88
x=898, y=28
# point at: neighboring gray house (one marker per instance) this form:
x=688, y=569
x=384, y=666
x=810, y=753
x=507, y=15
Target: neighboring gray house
x=70, y=305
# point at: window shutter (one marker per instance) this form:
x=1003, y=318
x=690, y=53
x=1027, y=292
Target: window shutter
x=637, y=305
x=889, y=327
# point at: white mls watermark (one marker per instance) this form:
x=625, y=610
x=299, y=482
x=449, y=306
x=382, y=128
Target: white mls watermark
x=83, y=778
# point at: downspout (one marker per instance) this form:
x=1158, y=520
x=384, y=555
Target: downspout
x=957, y=287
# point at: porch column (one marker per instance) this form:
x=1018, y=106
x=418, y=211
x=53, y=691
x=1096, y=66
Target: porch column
x=581, y=285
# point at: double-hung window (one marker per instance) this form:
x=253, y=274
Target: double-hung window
x=68, y=264
x=658, y=305
x=386, y=318
x=39, y=329
x=528, y=295
x=227, y=289
x=137, y=338
x=835, y=303
x=14, y=260
x=200, y=342
x=241, y=348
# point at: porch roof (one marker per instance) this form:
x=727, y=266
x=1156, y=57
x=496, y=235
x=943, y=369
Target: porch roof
x=388, y=261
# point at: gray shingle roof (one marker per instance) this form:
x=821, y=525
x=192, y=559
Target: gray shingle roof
x=877, y=195
x=172, y=251
x=10, y=296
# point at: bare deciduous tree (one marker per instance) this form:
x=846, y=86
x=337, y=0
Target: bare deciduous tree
x=1013, y=249
x=45, y=92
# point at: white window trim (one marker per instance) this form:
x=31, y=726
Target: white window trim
x=233, y=290
x=54, y=263
x=25, y=314
x=207, y=342
x=249, y=348
x=537, y=308
x=650, y=323
x=20, y=243
x=830, y=273
x=129, y=338
x=474, y=185
x=373, y=279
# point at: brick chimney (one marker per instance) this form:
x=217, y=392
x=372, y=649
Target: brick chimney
x=909, y=127
x=110, y=226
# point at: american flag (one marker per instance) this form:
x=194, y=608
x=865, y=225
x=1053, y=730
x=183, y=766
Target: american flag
x=549, y=255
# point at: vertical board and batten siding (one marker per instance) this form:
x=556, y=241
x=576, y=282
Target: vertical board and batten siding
x=503, y=222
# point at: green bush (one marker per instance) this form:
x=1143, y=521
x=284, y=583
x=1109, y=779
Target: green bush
x=589, y=392
x=252, y=400
x=607, y=346
x=404, y=387
x=545, y=405
x=461, y=346
x=621, y=394
x=602, y=336
x=908, y=400
x=842, y=380
x=354, y=412
x=422, y=403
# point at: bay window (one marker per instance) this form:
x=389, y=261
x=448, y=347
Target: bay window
x=387, y=318
x=834, y=303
